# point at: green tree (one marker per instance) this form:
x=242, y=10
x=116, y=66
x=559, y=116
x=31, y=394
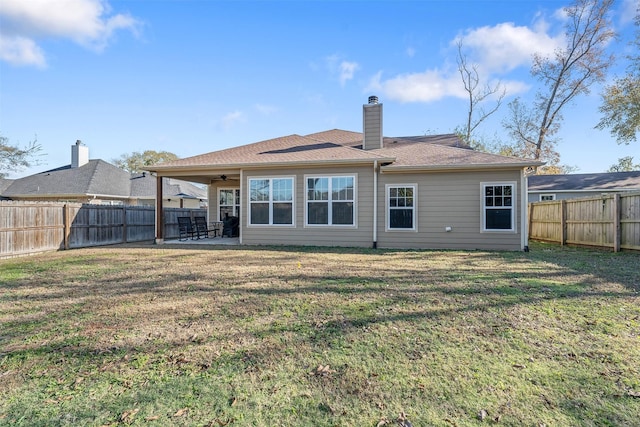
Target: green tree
x=621, y=100
x=567, y=74
x=625, y=164
x=137, y=161
x=14, y=158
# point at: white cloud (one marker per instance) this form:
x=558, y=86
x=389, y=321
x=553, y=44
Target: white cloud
x=85, y=22
x=266, y=110
x=630, y=8
x=21, y=51
x=231, y=119
x=347, y=70
x=344, y=70
x=505, y=46
x=495, y=50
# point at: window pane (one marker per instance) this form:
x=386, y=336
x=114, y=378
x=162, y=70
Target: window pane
x=488, y=201
x=283, y=189
x=507, y=201
x=283, y=213
x=318, y=213
x=318, y=189
x=401, y=218
x=226, y=197
x=498, y=219
x=259, y=213
x=259, y=190
x=342, y=188
x=342, y=213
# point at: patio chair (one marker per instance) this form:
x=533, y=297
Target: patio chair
x=185, y=228
x=203, y=229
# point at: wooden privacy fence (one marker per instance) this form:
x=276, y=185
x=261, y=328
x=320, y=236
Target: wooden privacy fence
x=30, y=227
x=611, y=221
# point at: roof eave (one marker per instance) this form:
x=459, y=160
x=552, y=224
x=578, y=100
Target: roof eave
x=269, y=165
x=450, y=168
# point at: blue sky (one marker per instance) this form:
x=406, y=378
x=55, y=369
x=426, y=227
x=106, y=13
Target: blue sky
x=194, y=76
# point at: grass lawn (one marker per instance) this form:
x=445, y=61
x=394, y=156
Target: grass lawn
x=191, y=335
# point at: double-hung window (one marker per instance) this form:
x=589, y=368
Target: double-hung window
x=401, y=204
x=498, y=206
x=271, y=201
x=330, y=200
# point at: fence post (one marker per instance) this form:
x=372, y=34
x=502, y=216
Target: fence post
x=124, y=224
x=67, y=225
x=563, y=222
x=617, y=230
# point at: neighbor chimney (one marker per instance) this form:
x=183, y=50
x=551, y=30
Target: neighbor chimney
x=79, y=154
x=372, y=124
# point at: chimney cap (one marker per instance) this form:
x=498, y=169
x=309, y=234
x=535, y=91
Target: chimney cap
x=373, y=99
x=78, y=142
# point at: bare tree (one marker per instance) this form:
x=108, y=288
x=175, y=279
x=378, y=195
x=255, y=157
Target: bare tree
x=568, y=73
x=477, y=94
x=621, y=100
x=14, y=158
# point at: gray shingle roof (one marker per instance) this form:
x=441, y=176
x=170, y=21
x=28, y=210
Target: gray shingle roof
x=428, y=152
x=99, y=178
x=144, y=186
x=608, y=181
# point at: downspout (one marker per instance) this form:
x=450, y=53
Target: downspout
x=524, y=222
x=375, y=204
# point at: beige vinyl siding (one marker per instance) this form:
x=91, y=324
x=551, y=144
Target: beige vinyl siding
x=299, y=234
x=449, y=199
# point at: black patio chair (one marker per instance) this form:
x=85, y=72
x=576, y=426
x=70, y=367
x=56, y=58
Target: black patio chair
x=185, y=228
x=203, y=229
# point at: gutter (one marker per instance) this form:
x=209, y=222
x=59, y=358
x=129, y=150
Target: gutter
x=268, y=165
x=449, y=168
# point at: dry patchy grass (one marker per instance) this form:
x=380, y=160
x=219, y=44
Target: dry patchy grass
x=161, y=335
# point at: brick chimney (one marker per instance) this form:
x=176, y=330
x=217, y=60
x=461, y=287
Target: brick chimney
x=79, y=155
x=372, y=124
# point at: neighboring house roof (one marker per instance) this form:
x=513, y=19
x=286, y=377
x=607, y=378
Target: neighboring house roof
x=609, y=181
x=98, y=178
x=4, y=184
x=143, y=186
x=342, y=147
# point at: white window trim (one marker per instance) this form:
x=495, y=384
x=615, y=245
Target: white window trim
x=553, y=197
x=329, y=176
x=388, y=188
x=293, y=201
x=514, y=204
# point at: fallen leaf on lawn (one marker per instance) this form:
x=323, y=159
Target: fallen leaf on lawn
x=382, y=422
x=233, y=401
x=482, y=414
x=127, y=416
x=633, y=393
x=403, y=421
x=152, y=418
x=518, y=366
x=323, y=370
x=181, y=412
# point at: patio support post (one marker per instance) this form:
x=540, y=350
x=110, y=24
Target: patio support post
x=159, y=211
